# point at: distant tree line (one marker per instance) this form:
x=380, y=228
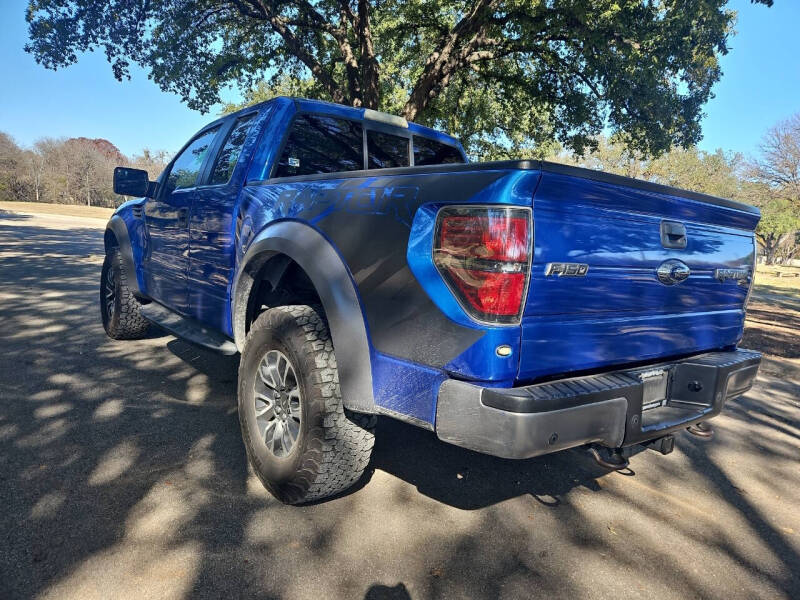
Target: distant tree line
x=67, y=171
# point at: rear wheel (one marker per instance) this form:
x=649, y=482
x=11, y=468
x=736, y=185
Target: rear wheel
x=301, y=442
x=119, y=308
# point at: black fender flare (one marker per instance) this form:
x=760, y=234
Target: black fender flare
x=117, y=226
x=335, y=287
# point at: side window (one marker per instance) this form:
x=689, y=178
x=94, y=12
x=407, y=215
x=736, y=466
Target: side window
x=430, y=152
x=186, y=167
x=386, y=150
x=318, y=144
x=229, y=155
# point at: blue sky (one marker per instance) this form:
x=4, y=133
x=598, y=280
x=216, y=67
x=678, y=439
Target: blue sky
x=761, y=86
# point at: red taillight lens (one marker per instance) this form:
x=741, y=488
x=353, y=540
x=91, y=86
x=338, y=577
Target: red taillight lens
x=484, y=255
x=496, y=237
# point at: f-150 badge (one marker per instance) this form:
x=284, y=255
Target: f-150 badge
x=740, y=275
x=566, y=269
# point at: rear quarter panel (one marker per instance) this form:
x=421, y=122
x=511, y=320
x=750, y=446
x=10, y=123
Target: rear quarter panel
x=382, y=227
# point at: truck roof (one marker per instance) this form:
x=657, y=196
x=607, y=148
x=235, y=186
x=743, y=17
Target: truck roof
x=360, y=114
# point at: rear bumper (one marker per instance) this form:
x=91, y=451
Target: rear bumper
x=606, y=409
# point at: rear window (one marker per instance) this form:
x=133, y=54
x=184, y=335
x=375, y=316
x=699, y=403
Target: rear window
x=318, y=144
x=431, y=152
x=386, y=150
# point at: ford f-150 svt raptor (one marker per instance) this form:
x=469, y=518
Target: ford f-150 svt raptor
x=362, y=266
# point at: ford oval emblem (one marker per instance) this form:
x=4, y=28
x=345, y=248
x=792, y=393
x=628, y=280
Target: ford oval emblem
x=672, y=271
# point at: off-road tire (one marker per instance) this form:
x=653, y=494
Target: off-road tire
x=125, y=320
x=333, y=445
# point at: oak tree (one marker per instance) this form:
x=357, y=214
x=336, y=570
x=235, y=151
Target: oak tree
x=515, y=72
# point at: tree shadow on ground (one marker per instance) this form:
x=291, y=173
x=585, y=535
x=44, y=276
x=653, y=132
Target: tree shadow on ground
x=7, y=215
x=122, y=474
x=469, y=480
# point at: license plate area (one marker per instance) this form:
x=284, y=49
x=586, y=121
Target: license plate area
x=655, y=386
x=674, y=395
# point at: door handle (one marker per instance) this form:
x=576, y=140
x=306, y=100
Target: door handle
x=673, y=235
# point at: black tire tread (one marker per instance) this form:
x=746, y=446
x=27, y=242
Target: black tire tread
x=340, y=444
x=129, y=323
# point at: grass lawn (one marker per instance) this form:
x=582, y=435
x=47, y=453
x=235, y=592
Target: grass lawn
x=68, y=210
x=767, y=280
x=773, y=321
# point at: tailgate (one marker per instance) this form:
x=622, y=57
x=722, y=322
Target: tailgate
x=618, y=311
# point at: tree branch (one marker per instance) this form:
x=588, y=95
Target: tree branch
x=261, y=10
x=210, y=13
x=347, y=10
x=448, y=57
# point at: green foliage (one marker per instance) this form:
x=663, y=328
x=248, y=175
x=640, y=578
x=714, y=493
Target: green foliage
x=777, y=232
x=717, y=173
x=779, y=217
x=280, y=86
x=13, y=159
x=509, y=77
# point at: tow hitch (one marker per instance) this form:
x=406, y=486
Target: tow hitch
x=609, y=458
x=702, y=429
x=616, y=459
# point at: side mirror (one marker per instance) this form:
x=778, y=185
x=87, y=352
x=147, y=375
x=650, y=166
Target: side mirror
x=132, y=182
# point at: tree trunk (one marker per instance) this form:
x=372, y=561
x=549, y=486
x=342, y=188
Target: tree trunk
x=370, y=84
x=36, y=173
x=769, y=253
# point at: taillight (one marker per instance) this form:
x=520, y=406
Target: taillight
x=484, y=256
x=752, y=281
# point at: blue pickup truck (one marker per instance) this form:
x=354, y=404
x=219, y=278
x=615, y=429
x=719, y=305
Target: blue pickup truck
x=362, y=267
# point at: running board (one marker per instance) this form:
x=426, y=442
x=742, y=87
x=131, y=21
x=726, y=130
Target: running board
x=188, y=329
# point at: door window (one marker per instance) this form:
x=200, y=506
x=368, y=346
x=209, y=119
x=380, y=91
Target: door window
x=386, y=150
x=186, y=168
x=229, y=155
x=318, y=144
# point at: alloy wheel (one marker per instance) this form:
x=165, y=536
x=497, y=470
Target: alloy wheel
x=110, y=292
x=277, y=403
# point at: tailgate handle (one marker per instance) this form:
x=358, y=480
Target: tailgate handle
x=673, y=234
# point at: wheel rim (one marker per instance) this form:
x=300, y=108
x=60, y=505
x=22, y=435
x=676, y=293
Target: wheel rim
x=110, y=292
x=277, y=403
